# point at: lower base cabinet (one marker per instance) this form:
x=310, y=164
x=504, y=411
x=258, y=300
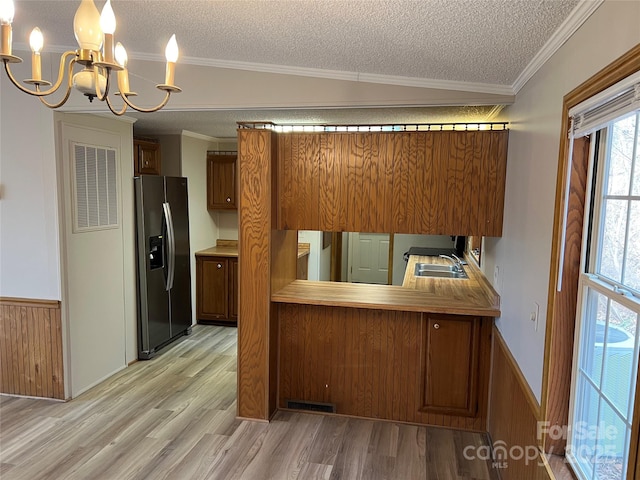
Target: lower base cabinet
x=450, y=363
x=424, y=368
x=216, y=290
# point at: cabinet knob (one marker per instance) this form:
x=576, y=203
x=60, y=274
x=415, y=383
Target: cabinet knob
x=228, y=199
x=219, y=265
x=436, y=326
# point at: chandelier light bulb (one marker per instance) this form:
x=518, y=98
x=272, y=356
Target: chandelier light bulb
x=121, y=55
x=171, y=52
x=108, y=19
x=7, y=11
x=36, y=40
x=86, y=26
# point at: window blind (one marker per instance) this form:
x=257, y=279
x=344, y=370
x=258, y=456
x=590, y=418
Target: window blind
x=608, y=105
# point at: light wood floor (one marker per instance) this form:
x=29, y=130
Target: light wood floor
x=174, y=418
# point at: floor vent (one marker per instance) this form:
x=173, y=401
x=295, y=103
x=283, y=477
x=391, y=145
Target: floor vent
x=311, y=406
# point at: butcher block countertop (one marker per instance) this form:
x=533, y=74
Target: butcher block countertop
x=472, y=296
x=229, y=248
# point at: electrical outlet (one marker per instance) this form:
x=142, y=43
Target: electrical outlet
x=496, y=276
x=535, y=313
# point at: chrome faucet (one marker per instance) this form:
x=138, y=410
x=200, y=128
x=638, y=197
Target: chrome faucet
x=455, y=261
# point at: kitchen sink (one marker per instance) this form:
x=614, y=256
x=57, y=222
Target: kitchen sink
x=439, y=270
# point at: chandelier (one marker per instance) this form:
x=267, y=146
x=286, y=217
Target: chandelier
x=96, y=53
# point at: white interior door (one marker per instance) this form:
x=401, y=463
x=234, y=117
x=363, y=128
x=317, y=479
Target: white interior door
x=369, y=258
x=93, y=266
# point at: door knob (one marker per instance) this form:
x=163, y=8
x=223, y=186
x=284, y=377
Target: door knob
x=436, y=326
x=219, y=265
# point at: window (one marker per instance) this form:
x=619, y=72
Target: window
x=607, y=337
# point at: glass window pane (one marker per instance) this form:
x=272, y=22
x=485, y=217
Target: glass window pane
x=618, y=378
x=593, y=329
x=632, y=266
x=583, y=433
x=611, y=450
x=612, y=241
x=622, y=140
x=636, y=174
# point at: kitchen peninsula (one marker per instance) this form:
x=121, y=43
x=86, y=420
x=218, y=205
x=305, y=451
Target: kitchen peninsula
x=417, y=353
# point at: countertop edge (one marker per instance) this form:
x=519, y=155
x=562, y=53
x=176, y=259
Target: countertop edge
x=414, y=301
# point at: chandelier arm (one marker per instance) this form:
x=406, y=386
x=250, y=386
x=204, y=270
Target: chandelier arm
x=96, y=73
x=148, y=110
x=54, y=88
x=113, y=110
x=66, y=95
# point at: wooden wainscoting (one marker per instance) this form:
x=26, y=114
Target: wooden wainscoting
x=31, y=348
x=513, y=416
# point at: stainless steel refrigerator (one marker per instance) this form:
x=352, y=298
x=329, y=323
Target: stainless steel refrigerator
x=164, y=276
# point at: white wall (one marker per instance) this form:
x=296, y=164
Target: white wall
x=228, y=225
x=29, y=233
x=314, y=239
x=317, y=257
x=203, y=230
x=523, y=253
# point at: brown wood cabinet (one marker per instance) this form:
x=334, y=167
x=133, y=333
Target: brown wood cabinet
x=402, y=366
x=216, y=290
x=221, y=180
x=146, y=157
x=437, y=182
x=450, y=363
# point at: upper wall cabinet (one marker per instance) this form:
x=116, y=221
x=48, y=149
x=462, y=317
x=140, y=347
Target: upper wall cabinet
x=221, y=180
x=438, y=183
x=146, y=157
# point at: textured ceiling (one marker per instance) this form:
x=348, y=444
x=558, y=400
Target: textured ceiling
x=476, y=41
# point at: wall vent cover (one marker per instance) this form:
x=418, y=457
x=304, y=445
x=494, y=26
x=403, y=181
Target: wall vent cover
x=95, y=188
x=311, y=406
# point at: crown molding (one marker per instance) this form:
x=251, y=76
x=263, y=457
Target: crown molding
x=418, y=82
x=578, y=16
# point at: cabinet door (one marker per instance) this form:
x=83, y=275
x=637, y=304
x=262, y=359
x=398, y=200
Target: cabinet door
x=212, y=278
x=146, y=158
x=451, y=364
x=233, y=289
x=221, y=182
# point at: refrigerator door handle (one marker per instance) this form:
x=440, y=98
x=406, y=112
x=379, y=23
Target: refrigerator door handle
x=171, y=244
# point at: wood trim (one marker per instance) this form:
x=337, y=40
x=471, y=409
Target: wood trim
x=31, y=361
x=227, y=243
x=552, y=390
x=561, y=353
x=29, y=302
x=390, y=271
x=336, y=257
x=513, y=416
x=256, y=341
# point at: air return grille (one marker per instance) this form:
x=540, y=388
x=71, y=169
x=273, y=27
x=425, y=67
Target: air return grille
x=96, y=195
x=311, y=406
